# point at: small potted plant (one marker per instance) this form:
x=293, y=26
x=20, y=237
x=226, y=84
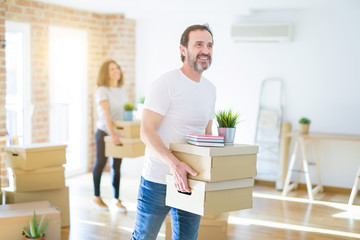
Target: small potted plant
x=128, y=111
x=36, y=231
x=227, y=121
x=304, y=124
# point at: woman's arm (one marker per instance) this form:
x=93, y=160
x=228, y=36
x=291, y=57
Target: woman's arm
x=104, y=104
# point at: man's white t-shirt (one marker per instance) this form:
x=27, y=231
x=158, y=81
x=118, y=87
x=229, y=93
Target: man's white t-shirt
x=187, y=107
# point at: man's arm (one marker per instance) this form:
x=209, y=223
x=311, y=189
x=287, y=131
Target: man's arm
x=208, y=129
x=149, y=124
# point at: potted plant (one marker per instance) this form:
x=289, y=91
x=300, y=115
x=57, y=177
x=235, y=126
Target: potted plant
x=128, y=111
x=36, y=231
x=304, y=124
x=227, y=121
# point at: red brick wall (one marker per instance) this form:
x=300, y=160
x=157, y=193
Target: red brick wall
x=2, y=88
x=109, y=36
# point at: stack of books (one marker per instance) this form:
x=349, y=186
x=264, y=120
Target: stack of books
x=205, y=140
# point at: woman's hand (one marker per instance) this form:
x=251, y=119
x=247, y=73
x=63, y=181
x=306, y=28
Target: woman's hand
x=115, y=138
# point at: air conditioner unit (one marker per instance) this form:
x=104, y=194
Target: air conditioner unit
x=261, y=32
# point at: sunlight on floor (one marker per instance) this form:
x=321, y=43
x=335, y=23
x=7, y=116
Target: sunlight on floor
x=285, y=226
x=341, y=206
x=91, y=222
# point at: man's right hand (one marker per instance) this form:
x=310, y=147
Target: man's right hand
x=180, y=172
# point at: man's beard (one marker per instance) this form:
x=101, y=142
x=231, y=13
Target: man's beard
x=196, y=65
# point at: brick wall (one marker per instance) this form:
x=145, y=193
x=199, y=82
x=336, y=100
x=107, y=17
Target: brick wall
x=109, y=36
x=2, y=88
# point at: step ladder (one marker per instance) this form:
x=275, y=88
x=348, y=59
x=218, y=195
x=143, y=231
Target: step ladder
x=268, y=128
x=302, y=144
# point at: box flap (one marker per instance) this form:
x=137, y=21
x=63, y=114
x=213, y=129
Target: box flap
x=35, y=171
x=216, y=186
x=235, y=149
x=27, y=209
x=124, y=140
x=35, y=147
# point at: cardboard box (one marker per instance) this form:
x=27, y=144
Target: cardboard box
x=36, y=180
x=127, y=129
x=209, y=229
x=211, y=198
x=59, y=197
x=35, y=156
x=218, y=164
x=15, y=217
x=129, y=148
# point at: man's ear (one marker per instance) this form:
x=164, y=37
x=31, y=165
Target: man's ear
x=183, y=50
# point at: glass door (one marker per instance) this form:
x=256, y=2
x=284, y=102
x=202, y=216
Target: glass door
x=68, y=95
x=18, y=91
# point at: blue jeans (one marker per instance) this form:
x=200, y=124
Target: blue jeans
x=152, y=211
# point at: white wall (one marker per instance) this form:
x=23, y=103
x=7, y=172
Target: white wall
x=319, y=68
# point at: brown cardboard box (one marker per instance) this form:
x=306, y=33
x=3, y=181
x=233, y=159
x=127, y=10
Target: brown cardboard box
x=15, y=217
x=129, y=148
x=127, y=129
x=211, y=198
x=209, y=229
x=218, y=164
x=36, y=180
x=35, y=156
x=59, y=197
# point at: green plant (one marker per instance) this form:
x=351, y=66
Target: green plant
x=129, y=106
x=304, y=120
x=227, y=119
x=36, y=231
x=142, y=100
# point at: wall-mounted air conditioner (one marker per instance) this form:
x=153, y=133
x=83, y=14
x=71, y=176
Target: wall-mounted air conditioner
x=261, y=32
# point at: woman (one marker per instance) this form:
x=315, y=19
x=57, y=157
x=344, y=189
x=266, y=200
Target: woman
x=110, y=99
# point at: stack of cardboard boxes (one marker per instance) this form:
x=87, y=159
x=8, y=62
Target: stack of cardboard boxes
x=224, y=183
x=131, y=145
x=36, y=173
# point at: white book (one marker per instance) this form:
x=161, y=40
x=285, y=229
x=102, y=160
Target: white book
x=206, y=144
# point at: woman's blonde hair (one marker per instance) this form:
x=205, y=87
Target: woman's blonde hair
x=103, y=77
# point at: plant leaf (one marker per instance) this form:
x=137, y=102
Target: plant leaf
x=34, y=218
x=44, y=229
x=32, y=229
x=40, y=226
x=27, y=233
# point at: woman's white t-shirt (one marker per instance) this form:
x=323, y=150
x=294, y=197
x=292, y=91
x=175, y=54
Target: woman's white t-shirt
x=187, y=107
x=116, y=98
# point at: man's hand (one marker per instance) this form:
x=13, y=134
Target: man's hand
x=180, y=173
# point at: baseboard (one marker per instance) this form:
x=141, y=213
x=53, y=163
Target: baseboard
x=302, y=186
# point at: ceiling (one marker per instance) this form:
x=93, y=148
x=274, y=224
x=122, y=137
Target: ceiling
x=146, y=8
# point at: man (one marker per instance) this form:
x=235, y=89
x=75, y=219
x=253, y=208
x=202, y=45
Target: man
x=181, y=101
